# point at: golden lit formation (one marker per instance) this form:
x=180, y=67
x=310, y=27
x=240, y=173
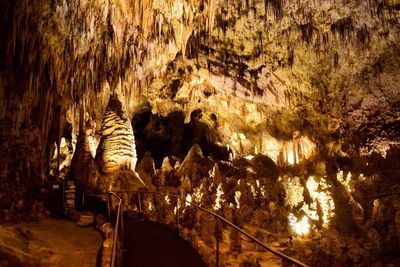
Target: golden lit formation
x=261, y=132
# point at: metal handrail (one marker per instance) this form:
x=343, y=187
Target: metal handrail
x=115, y=240
x=219, y=217
x=117, y=223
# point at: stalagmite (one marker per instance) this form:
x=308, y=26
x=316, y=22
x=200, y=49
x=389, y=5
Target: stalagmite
x=255, y=110
x=83, y=167
x=116, y=150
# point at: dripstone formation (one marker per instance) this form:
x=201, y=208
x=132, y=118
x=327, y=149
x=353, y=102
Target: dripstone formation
x=281, y=116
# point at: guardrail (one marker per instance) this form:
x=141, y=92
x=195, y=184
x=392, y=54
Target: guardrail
x=120, y=219
x=218, y=219
x=119, y=224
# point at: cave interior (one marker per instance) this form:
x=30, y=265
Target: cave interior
x=283, y=117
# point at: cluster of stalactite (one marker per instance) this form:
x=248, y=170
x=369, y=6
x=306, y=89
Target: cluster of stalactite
x=63, y=50
x=305, y=23
x=57, y=54
x=76, y=47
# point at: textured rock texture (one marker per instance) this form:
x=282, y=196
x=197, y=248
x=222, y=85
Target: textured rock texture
x=301, y=96
x=323, y=69
x=116, y=150
x=38, y=244
x=83, y=167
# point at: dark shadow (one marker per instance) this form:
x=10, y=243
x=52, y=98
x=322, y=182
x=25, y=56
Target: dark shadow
x=92, y=204
x=151, y=244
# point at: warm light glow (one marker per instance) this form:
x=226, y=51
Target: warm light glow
x=237, y=199
x=271, y=147
x=198, y=194
x=212, y=172
x=375, y=209
x=188, y=200
x=93, y=144
x=311, y=210
x=290, y=152
x=63, y=142
x=219, y=200
x=294, y=190
x=292, y=157
x=300, y=227
x=55, y=151
x=345, y=181
x=168, y=199
x=312, y=186
x=263, y=191
x=232, y=153
x=306, y=147
x=321, y=195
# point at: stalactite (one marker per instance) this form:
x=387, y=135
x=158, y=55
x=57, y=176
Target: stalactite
x=363, y=36
x=276, y=6
x=290, y=60
x=307, y=30
x=336, y=60
x=211, y=14
x=344, y=27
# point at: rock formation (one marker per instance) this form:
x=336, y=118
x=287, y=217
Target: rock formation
x=84, y=170
x=297, y=102
x=116, y=150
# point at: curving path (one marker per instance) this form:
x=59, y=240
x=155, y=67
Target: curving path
x=151, y=244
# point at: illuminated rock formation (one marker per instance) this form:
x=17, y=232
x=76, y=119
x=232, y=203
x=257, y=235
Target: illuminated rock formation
x=286, y=97
x=116, y=150
x=195, y=166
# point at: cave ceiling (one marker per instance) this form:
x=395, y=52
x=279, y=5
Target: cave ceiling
x=259, y=71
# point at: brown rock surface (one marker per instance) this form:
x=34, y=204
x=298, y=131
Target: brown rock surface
x=286, y=94
x=48, y=242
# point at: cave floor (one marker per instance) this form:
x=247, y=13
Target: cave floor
x=50, y=242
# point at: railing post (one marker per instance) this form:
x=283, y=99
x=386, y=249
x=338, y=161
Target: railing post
x=114, y=247
x=117, y=233
x=83, y=201
x=140, y=203
x=109, y=207
x=122, y=223
x=217, y=252
x=177, y=217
